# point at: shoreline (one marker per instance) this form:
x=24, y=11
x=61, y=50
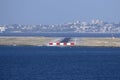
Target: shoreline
x=44, y=41
x=61, y=46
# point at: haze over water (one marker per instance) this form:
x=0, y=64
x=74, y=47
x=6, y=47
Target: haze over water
x=57, y=11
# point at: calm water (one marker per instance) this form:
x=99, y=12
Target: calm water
x=55, y=63
x=63, y=34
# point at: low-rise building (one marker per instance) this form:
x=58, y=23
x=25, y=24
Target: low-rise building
x=2, y=29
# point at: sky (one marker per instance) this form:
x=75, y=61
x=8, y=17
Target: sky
x=58, y=11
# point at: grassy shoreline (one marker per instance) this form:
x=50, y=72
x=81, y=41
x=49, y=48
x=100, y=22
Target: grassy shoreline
x=44, y=41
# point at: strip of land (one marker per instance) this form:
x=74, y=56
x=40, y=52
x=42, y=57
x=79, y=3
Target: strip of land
x=44, y=41
x=25, y=41
x=106, y=42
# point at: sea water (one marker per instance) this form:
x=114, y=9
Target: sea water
x=59, y=63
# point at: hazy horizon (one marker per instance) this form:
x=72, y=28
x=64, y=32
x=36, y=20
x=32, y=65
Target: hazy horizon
x=57, y=11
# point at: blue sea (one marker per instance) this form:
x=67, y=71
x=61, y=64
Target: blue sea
x=59, y=63
x=62, y=34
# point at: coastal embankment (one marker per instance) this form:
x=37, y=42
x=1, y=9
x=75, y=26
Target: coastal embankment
x=44, y=41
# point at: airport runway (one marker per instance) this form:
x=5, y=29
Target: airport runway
x=59, y=41
x=67, y=41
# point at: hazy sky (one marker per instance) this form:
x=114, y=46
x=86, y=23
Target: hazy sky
x=57, y=11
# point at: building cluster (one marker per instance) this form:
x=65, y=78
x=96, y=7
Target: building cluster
x=78, y=26
x=2, y=29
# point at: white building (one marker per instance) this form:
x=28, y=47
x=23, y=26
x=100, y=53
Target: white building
x=2, y=29
x=97, y=22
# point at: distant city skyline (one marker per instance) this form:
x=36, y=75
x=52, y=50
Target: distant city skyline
x=57, y=11
x=95, y=26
